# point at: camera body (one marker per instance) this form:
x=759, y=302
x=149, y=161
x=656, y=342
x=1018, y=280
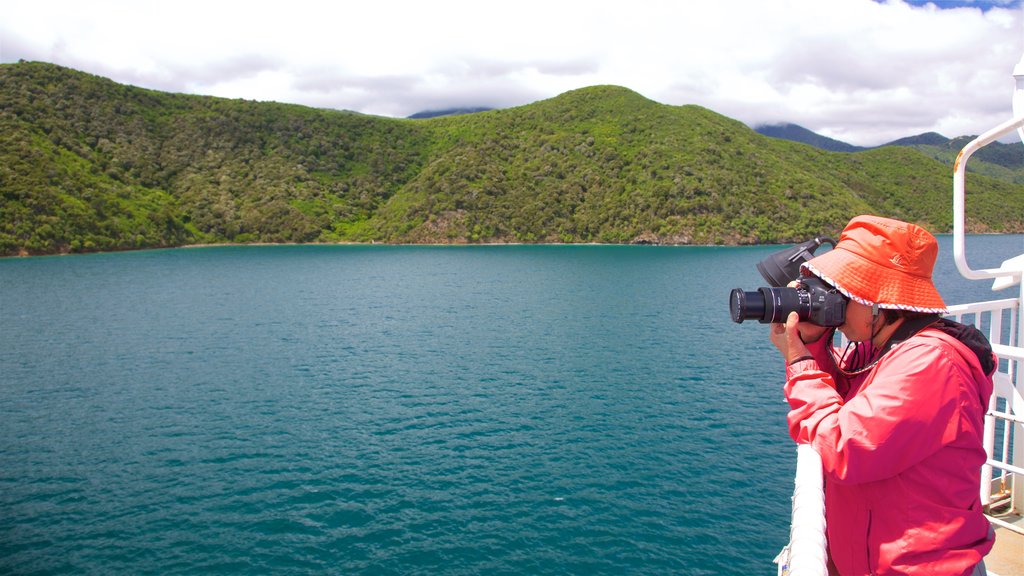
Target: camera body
x=812, y=300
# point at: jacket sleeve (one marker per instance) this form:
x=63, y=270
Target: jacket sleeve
x=905, y=411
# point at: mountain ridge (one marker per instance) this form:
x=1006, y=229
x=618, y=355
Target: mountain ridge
x=87, y=164
x=998, y=160
x=797, y=133
x=456, y=111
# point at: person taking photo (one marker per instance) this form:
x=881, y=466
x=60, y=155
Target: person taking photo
x=897, y=414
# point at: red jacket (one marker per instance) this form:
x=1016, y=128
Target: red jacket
x=901, y=447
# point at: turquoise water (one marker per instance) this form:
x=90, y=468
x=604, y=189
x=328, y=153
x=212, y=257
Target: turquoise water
x=394, y=410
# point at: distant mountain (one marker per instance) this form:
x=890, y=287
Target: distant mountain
x=926, y=139
x=87, y=164
x=798, y=133
x=998, y=160
x=998, y=153
x=446, y=112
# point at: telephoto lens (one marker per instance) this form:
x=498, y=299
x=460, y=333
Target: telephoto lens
x=768, y=305
x=744, y=305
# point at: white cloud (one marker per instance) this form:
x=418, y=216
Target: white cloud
x=859, y=70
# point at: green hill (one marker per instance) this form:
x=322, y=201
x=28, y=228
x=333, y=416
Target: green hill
x=87, y=164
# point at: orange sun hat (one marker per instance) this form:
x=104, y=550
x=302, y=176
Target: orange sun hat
x=883, y=262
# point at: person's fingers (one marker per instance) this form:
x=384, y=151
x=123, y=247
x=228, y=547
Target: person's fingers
x=795, y=344
x=792, y=323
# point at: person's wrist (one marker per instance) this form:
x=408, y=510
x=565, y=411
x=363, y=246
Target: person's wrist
x=800, y=359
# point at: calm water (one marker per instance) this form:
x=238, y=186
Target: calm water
x=394, y=410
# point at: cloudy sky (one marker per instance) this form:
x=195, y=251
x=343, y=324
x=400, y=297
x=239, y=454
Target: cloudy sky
x=863, y=71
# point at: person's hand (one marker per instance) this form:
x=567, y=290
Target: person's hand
x=789, y=338
x=786, y=337
x=808, y=332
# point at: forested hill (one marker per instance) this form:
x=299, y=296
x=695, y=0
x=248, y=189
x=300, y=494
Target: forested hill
x=88, y=164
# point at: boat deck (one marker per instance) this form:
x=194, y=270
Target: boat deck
x=1007, y=556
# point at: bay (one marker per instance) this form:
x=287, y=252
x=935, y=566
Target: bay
x=396, y=410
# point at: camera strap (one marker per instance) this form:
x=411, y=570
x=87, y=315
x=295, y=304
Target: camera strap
x=903, y=333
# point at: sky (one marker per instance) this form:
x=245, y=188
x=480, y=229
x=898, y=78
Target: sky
x=862, y=71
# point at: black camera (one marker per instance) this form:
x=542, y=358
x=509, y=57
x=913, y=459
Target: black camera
x=813, y=300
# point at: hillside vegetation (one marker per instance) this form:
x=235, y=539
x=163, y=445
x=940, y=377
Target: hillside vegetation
x=998, y=159
x=87, y=164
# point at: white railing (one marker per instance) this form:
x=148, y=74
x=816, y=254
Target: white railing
x=1002, y=479
x=1003, y=474
x=805, y=554
x=1006, y=274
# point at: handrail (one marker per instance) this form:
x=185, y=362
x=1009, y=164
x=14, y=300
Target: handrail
x=1008, y=352
x=806, y=555
x=985, y=306
x=959, y=186
x=1011, y=270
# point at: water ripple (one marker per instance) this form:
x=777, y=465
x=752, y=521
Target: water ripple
x=359, y=410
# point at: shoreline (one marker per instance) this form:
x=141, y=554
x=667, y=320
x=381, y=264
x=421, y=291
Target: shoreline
x=429, y=244
x=368, y=244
